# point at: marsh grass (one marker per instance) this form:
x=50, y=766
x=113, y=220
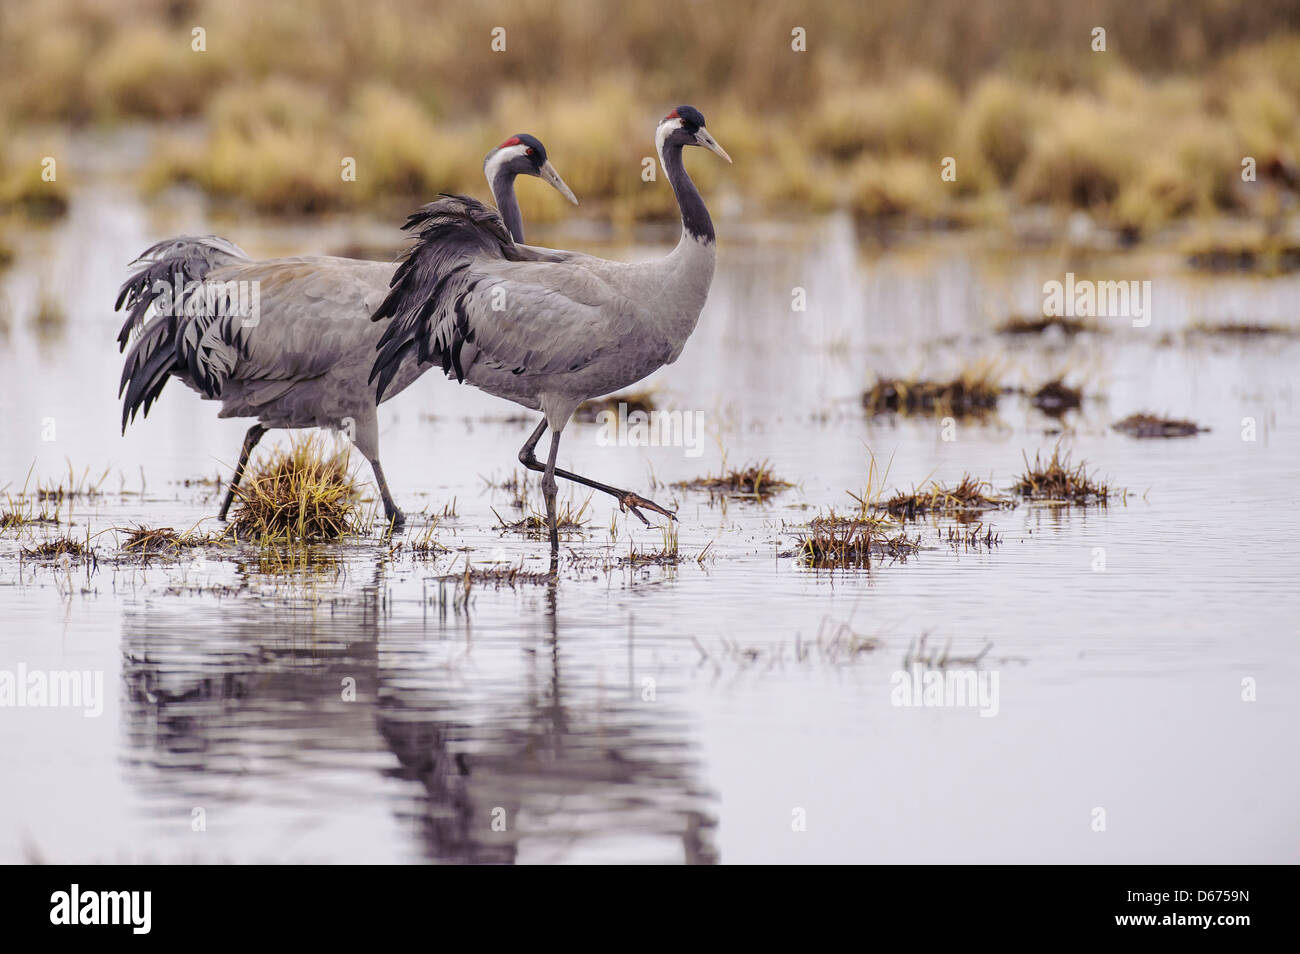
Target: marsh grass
x=511, y=576
x=978, y=537
x=62, y=546
x=1057, y=480
x=535, y=525
x=920, y=653
x=836, y=644
x=854, y=546
x=1032, y=113
x=159, y=541
x=590, y=411
x=1056, y=397
x=300, y=493
x=81, y=486
x=1244, y=329
x=974, y=392
x=1250, y=250
x=752, y=481
x=425, y=546
x=1144, y=425
x=668, y=554
x=969, y=495
x=1039, y=324
x=21, y=513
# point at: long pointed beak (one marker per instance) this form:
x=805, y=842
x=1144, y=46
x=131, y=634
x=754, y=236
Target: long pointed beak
x=553, y=177
x=711, y=144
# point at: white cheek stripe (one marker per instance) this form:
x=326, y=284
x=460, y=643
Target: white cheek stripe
x=665, y=129
x=499, y=158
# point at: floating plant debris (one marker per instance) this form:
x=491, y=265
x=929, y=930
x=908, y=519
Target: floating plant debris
x=1151, y=425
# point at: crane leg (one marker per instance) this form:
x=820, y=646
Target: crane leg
x=250, y=441
x=548, y=491
x=626, y=499
x=392, y=516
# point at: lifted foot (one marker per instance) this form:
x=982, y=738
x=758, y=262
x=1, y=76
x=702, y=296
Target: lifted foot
x=630, y=501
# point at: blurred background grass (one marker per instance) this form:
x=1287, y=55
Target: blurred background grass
x=1151, y=131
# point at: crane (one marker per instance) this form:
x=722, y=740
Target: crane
x=547, y=329
x=303, y=359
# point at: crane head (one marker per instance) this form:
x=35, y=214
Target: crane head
x=684, y=126
x=524, y=155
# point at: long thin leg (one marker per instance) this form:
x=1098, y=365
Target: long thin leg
x=626, y=499
x=548, y=491
x=392, y=515
x=250, y=441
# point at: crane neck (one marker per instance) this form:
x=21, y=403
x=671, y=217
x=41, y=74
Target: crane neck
x=695, y=216
x=503, y=191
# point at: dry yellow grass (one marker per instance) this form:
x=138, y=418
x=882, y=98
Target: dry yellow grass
x=303, y=492
x=862, y=119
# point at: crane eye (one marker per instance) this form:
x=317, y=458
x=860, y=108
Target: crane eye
x=529, y=151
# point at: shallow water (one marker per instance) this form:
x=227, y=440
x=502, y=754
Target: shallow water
x=358, y=708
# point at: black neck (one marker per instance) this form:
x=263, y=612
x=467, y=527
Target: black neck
x=503, y=190
x=695, y=217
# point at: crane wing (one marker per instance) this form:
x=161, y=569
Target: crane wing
x=466, y=293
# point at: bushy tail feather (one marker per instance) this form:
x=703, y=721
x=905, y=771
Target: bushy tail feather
x=174, y=262
x=450, y=230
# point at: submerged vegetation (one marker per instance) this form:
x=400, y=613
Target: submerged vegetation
x=304, y=492
x=1152, y=425
x=1056, y=480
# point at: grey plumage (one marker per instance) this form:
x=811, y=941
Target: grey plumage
x=547, y=329
x=303, y=359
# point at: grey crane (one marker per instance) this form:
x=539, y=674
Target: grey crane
x=544, y=328
x=283, y=340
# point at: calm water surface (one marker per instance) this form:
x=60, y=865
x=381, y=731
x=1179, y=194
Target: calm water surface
x=356, y=708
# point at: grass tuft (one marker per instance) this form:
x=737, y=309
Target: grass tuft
x=301, y=493
x=854, y=545
x=1057, y=480
x=1056, y=397
x=970, y=495
x=972, y=393
x=534, y=524
x=755, y=481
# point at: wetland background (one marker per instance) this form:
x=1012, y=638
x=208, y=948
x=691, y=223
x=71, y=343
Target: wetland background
x=713, y=695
